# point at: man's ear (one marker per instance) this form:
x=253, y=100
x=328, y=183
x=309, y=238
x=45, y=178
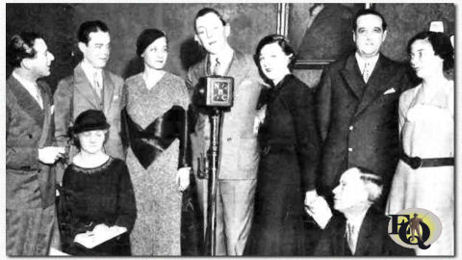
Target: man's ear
x=82, y=47
x=227, y=29
x=354, y=36
x=25, y=63
x=196, y=39
x=384, y=35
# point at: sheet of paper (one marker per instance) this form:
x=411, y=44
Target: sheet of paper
x=98, y=236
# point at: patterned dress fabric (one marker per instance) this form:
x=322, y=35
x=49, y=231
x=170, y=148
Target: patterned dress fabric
x=157, y=229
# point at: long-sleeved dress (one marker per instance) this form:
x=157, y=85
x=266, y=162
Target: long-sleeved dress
x=92, y=196
x=157, y=229
x=290, y=155
x=427, y=131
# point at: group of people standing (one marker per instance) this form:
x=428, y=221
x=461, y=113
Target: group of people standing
x=130, y=146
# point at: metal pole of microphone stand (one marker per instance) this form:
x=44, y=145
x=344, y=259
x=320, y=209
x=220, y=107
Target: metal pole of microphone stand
x=215, y=148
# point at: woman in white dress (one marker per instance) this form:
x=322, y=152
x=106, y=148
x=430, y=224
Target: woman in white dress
x=426, y=123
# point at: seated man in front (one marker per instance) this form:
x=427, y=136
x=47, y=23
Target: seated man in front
x=358, y=228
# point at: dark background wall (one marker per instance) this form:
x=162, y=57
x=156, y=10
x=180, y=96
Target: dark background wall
x=249, y=23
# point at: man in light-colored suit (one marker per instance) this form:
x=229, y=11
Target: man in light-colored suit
x=357, y=105
x=30, y=181
x=238, y=159
x=91, y=87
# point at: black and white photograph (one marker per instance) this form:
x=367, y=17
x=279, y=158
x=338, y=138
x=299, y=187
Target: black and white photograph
x=229, y=129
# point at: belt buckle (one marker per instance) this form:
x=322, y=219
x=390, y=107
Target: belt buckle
x=416, y=162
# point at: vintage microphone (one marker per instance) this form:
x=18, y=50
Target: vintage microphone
x=215, y=94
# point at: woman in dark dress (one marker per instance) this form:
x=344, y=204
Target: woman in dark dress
x=97, y=194
x=290, y=154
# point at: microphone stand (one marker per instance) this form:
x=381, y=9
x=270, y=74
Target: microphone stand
x=213, y=178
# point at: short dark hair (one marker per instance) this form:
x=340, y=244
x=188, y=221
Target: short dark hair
x=441, y=44
x=282, y=41
x=21, y=46
x=147, y=37
x=207, y=10
x=362, y=12
x=83, y=35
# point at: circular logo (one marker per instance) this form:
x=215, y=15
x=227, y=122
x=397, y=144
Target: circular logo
x=414, y=228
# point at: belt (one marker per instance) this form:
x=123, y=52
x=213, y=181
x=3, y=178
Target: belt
x=417, y=162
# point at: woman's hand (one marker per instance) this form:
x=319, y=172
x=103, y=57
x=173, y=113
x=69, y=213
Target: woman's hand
x=182, y=178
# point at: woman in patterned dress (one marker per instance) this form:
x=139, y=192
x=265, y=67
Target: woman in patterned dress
x=426, y=123
x=156, y=104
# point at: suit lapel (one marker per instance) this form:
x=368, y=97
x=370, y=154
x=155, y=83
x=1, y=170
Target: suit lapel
x=108, y=92
x=364, y=238
x=26, y=101
x=376, y=84
x=235, y=71
x=353, y=77
x=83, y=86
x=46, y=116
x=338, y=245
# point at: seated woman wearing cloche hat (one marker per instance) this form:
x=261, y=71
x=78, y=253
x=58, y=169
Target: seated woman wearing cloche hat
x=97, y=208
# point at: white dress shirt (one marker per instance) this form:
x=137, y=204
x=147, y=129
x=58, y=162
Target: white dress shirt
x=362, y=64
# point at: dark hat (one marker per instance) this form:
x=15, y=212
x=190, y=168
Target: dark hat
x=147, y=37
x=90, y=120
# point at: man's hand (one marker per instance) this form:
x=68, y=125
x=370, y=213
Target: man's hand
x=49, y=154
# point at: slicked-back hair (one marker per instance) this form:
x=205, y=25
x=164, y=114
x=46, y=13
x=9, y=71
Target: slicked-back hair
x=372, y=182
x=21, y=46
x=83, y=35
x=362, y=12
x=205, y=11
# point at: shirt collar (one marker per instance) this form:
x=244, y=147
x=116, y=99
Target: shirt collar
x=90, y=71
x=361, y=61
x=29, y=85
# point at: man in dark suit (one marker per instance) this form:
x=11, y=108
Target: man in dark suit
x=357, y=106
x=360, y=229
x=30, y=182
x=91, y=87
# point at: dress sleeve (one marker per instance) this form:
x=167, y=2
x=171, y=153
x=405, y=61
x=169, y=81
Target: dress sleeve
x=307, y=138
x=126, y=207
x=323, y=104
x=69, y=224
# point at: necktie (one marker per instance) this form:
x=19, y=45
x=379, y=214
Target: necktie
x=97, y=84
x=366, y=71
x=351, y=238
x=216, y=67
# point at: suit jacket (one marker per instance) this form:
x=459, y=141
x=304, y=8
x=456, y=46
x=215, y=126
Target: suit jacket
x=29, y=183
x=373, y=238
x=358, y=122
x=239, y=155
x=75, y=95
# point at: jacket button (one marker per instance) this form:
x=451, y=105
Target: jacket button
x=30, y=136
x=351, y=127
x=350, y=149
x=229, y=139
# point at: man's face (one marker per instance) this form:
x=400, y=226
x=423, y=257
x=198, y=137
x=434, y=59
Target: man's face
x=97, y=50
x=211, y=33
x=40, y=64
x=369, y=35
x=350, y=192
